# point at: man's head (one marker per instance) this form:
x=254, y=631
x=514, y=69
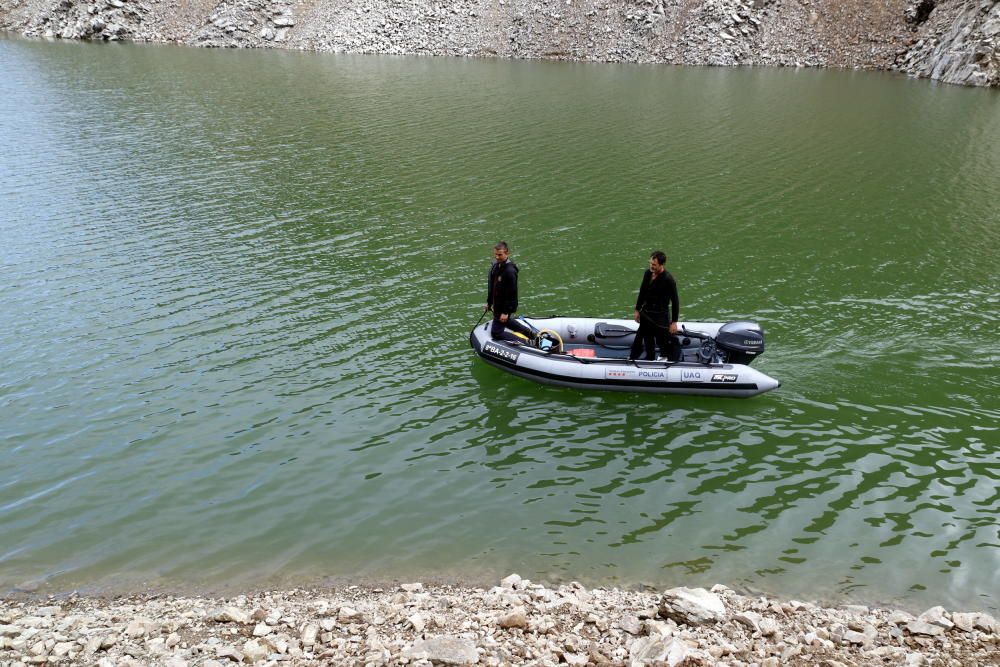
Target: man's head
x=500, y=251
x=657, y=260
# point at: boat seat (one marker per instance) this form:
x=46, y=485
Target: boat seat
x=613, y=336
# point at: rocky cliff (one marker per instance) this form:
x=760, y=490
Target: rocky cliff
x=954, y=41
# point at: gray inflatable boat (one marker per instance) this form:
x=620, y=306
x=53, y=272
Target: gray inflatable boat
x=592, y=353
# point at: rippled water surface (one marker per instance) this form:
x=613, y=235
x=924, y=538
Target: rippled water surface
x=237, y=289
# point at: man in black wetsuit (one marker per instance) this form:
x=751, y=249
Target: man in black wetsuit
x=501, y=296
x=656, y=311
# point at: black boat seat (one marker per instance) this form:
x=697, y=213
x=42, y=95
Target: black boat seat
x=613, y=336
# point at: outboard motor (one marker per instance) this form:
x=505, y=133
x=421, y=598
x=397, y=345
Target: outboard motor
x=740, y=342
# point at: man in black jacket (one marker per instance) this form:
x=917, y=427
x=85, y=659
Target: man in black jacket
x=501, y=297
x=656, y=311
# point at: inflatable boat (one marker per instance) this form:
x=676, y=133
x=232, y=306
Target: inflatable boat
x=592, y=353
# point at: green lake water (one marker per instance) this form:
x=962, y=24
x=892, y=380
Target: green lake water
x=237, y=288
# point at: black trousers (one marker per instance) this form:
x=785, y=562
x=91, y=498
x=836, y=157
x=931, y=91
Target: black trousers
x=650, y=335
x=499, y=330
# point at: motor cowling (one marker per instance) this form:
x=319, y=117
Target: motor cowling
x=740, y=342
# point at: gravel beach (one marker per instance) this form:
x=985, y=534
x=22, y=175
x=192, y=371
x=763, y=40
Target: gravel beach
x=516, y=622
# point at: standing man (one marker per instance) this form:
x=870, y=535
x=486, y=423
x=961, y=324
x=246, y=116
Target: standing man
x=656, y=311
x=502, y=295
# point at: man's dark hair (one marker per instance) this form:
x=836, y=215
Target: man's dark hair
x=502, y=245
x=659, y=256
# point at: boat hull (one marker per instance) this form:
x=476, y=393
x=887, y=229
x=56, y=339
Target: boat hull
x=616, y=373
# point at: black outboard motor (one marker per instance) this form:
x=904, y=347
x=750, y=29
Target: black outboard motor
x=740, y=342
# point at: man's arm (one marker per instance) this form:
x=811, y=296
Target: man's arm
x=641, y=298
x=489, y=289
x=511, y=278
x=675, y=304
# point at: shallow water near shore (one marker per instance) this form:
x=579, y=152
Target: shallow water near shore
x=238, y=287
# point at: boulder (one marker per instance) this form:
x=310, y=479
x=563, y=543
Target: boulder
x=924, y=628
x=444, y=650
x=967, y=622
x=658, y=650
x=693, y=606
x=936, y=616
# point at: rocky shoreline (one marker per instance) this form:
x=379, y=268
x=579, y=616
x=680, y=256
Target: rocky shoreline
x=516, y=622
x=953, y=41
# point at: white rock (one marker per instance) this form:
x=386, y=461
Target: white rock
x=229, y=653
x=630, y=624
x=444, y=649
x=749, y=619
x=349, y=615
x=262, y=630
x=899, y=618
x=140, y=627
x=512, y=581
x=517, y=618
x=62, y=649
x=693, y=606
x=936, y=616
x=924, y=628
x=967, y=622
x=93, y=645
x=309, y=634
x=156, y=646
x=661, y=628
x=854, y=637
x=253, y=651
x=645, y=650
x=231, y=615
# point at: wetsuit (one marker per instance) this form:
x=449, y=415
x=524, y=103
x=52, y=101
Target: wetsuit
x=502, y=298
x=658, y=307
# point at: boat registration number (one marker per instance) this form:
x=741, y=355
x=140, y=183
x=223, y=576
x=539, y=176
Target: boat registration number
x=501, y=353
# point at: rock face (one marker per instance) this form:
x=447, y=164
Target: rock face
x=955, y=41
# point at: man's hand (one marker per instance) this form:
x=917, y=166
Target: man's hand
x=637, y=316
x=487, y=308
x=673, y=327
x=503, y=318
